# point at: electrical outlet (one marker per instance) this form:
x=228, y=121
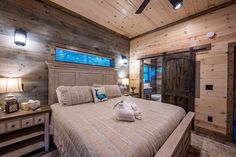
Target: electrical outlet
x=210, y=119
x=209, y=87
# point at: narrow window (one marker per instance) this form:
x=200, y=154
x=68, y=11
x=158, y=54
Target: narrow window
x=70, y=56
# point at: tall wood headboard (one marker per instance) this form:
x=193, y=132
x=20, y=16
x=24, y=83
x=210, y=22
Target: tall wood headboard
x=68, y=74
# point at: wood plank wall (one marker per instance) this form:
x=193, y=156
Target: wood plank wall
x=213, y=62
x=46, y=26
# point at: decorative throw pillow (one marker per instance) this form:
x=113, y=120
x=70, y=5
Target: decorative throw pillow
x=73, y=95
x=112, y=91
x=99, y=94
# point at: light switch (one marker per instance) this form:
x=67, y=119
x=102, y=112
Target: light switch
x=209, y=87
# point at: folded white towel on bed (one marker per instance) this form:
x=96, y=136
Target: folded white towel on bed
x=127, y=111
x=125, y=115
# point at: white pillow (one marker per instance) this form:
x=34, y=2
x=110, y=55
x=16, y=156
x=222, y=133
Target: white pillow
x=99, y=94
x=112, y=91
x=72, y=95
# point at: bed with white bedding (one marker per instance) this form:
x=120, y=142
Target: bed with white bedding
x=90, y=129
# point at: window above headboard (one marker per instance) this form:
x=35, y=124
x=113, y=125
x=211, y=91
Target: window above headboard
x=70, y=56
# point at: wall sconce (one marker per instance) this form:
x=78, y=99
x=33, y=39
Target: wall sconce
x=125, y=59
x=20, y=37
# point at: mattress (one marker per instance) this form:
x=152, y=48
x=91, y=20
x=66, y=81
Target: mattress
x=89, y=130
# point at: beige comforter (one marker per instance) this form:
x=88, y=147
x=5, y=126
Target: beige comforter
x=89, y=130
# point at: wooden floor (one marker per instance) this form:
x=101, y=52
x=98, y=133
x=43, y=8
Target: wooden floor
x=205, y=147
x=200, y=147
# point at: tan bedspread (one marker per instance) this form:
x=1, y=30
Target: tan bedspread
x=89, y=130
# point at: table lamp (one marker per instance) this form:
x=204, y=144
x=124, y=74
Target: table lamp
x=125, y=82
x=10, y=85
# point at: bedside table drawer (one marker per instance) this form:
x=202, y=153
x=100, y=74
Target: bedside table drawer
x=27, y=122
x=2, y=128
x=39, y=119
x=13, y=125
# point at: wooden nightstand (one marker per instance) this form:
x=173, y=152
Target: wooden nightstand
x=23, y=132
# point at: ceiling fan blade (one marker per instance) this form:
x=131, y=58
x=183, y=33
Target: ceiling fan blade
x=142, y=7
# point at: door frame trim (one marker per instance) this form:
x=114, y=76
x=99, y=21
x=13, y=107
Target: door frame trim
x=141, y=78
x=230, y=90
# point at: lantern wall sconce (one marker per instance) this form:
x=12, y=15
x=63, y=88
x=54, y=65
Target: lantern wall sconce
x=20, y=37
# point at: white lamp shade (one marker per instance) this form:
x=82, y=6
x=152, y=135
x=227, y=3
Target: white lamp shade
x=8, y=85
x=125, y=81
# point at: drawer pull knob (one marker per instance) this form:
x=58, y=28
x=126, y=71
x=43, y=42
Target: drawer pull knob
x=39, y=120
x=13, y=126
x=27, y=122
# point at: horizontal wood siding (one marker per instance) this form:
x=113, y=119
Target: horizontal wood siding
x=46, y=27
x=213, y=63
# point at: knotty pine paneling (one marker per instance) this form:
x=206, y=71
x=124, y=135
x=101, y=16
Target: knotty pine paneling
x=213, y=71
x=120, y=15
x=213, y=63
x=47, y=26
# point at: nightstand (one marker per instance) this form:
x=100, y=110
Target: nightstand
x=23, y=132
x=136, y=95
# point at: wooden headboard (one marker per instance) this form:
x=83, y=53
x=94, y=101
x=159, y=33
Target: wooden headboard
x=68, y=74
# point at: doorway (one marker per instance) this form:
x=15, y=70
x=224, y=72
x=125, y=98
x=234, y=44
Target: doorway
x=169, y=78
x=152, y=78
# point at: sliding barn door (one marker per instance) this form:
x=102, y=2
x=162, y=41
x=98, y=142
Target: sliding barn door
x=178, y=80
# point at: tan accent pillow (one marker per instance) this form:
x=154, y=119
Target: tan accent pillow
x=112, y=91
x=72, y=95
x=99, y=94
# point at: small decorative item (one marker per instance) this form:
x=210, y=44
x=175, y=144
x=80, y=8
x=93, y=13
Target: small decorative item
x=35, y=104
x=2, y=104
x=30, y=105
x=25, y=106
x=99, y=94
x=11, y=105
x=133, y=88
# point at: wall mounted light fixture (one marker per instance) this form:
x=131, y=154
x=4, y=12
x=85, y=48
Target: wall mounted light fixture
x=125, y=59
x=20, y=37
x=177, y=4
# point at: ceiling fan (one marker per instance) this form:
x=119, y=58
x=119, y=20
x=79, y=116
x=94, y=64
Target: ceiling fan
x=177, y=4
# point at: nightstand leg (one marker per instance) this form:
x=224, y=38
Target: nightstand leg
x=46, y=132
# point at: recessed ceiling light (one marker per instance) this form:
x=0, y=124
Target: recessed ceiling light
x=177, y=4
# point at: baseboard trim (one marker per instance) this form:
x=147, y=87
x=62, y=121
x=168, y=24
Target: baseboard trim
x=209, y=133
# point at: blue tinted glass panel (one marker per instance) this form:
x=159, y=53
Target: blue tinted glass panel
x=146, y=73
x=153, y=73
x=146, y=69
x=82, y=58
x=146, y=78
x=159, y=70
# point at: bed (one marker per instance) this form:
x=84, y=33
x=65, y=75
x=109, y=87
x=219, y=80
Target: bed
x=90, y=129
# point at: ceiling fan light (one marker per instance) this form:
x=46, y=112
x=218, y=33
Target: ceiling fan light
x=177, y=4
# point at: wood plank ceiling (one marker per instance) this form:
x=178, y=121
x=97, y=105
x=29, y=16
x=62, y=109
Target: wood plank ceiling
x=119, y=15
